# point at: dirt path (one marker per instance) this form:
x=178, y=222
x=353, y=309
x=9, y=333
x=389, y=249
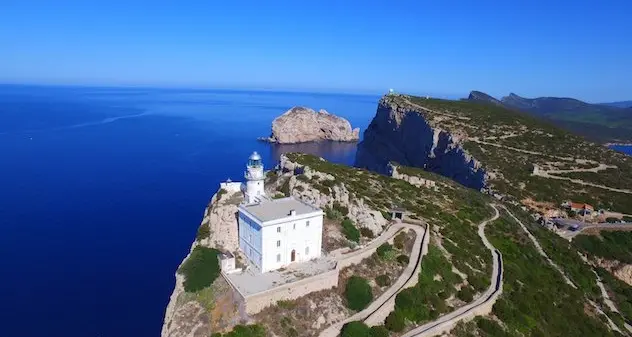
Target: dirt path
x=545, y=174
x=382, y=303
x=539, y=248
x=481, y=306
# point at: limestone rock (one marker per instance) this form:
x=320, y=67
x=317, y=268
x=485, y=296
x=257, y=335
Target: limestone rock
x=220, y=215
x=359, y=212
x=300, y=124
x=399, y=133
x=624, y=273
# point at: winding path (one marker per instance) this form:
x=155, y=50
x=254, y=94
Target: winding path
x=381, y=304
x=481, y=306
x=539, y=248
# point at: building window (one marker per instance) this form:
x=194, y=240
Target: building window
x=294, y=226
x=278, y=243
x=307, y=224
x=278, y=257
x=307, y=250
x=279, y=229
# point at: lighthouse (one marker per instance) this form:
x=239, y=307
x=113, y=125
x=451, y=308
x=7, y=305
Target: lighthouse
x=255, y=188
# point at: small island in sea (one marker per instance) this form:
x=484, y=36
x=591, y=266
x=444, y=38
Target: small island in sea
x=301, y=124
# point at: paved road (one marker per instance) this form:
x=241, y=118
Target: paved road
x=380, y=304
x=482, y=305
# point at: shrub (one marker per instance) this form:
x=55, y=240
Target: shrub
x=302, y=177
x=342, y=209
x=286, y=304
x=612, y=220
x=278, y=196
x=387, y=215
x=332, y=214
x=466, y=294
x=379, y=331
x=220, y=193
x=383, y=280
x=203, y=232
x=329, y=183
x=403, y=259
x=350, y=231
x=253, y=330
x=200, y=269
x=367, y=233
x=355, y=329
x=285, y=188
x=399, y=240
x=299, y=188
x=358, y=293
x=395, y=321
x=384, y=249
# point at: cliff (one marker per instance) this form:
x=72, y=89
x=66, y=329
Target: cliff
x=402, y=134
x=300, y=124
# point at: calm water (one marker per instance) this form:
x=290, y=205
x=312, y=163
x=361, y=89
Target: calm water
x=627, y=149
x=102, y=190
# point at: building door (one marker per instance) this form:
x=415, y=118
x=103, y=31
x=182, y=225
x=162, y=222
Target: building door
x=293, y=256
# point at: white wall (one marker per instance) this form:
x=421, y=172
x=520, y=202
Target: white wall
x=294, y=235
x=250, y=234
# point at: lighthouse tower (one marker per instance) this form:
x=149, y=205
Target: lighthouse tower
x=254, y=179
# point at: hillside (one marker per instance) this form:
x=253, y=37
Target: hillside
x=498, y=150
x=598, y=122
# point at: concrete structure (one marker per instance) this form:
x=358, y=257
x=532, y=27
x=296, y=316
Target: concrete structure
x=274, y=233
x=227, y=262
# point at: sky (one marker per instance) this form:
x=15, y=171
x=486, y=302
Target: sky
x=579, y=48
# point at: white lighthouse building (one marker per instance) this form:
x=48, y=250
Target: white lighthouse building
x=274, y=233
x=254, y=189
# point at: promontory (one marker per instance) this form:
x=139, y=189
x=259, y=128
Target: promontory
x=301, y=124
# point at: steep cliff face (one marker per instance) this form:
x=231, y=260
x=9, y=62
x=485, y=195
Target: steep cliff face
x=400, y=133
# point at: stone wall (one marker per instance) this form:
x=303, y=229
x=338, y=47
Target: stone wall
x=289, y=291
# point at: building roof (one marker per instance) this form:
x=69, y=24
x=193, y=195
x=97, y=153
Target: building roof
x=275, y=209
x=578, y=205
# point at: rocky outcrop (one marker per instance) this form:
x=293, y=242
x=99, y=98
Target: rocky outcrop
x=400, y=133
x=478, y=96
x=620, y=270
x=360, y=213
x=300, y=125
x=185, y=315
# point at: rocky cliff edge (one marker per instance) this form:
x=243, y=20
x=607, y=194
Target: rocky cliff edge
x=405, y=133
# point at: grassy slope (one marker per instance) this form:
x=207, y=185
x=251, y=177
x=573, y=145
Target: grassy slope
x=516, y=167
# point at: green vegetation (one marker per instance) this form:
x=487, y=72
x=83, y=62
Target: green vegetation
x=383, y=250
x=547, y=142
x=403, y=259
x=203, y=232
x=621, y=292
x=383, y=280
x=395, y=321
x=350, y=231
x=252, y=330
x=220, y=193
x=611, y=245
x=399, y=240
x=358, y=293
x=278, y=196
x=367, y=233
x=359, y=329
x=343, y=210
x=422, y=302
x=536, y=301
x=302, y=178
x=612, y=177
x=563, y=253
x=285, y=188
x=200, y=269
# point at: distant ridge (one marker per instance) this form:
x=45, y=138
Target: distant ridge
x=605, y=123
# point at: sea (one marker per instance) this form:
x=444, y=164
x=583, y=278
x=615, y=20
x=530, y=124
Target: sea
x=627, y=149
x=102, y=190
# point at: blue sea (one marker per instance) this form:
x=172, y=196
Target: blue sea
x=627, y=149
x=102, y=191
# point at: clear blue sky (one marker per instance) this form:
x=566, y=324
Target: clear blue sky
x=574, y=48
